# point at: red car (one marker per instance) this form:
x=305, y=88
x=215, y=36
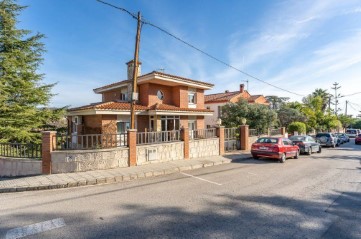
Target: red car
x=358, y=139
x=276, y=148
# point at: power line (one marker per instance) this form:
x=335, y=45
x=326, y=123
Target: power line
x=351, y=94
x=120, y=8
x=199, y=50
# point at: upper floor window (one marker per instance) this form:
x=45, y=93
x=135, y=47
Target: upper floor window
x=123, y=97
x=192, y=96
x=220, y=111
x=160, y=95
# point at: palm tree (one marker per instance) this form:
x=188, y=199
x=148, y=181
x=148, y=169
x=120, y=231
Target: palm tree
x=325, y=96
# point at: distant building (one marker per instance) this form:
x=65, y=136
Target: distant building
x=216, y=101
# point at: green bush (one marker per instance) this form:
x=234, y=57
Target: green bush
x=300, y=127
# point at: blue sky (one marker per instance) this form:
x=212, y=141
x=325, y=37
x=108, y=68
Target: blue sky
x=296, y=45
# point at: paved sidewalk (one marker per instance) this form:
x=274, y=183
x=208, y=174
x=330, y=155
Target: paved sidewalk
x=67, y=180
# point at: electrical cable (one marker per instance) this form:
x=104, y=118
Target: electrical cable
x=199, y=50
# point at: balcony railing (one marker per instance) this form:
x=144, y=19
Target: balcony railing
x=202, y=133
x=91, y=141
x=158, y=137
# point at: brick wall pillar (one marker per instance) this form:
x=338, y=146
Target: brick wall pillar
x=185, y=139
x=132, y=144
x=283, y=131
x=244, y=137
x=220, y=135
x=48, y=145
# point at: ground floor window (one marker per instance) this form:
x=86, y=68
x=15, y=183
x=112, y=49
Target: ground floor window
x=122, y=127
x=170, y=122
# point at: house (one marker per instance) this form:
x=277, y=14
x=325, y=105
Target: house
x=166, y=102
x=216, y=101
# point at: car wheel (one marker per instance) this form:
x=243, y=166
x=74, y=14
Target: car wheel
x=297, y=155
x=309, y=152
x=255, y=156
x=319, y=150
x=283, y=158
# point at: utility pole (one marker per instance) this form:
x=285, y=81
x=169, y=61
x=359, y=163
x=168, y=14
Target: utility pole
x=346, y=108
x=336, y=87
x=135, y=74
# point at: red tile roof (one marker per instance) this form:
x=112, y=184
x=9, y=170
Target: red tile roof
x=156, y=73
x=110, y=106
x=126, y=106
x=112, y=85
x=220, y=97
x=180, y=78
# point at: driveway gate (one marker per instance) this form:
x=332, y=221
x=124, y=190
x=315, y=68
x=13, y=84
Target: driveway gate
x=231, y=139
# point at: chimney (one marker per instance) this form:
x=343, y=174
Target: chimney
x=241, y=88
x=130, y=65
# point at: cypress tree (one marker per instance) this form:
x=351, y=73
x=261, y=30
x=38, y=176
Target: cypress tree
x=23, y=96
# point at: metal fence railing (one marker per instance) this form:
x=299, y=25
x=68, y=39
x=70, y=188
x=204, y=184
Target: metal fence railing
x=253, y=132
x=17, y=150
x=231, y=133
x=274, y=132
x=202, y=133
x=91, y=141
x=158, y=137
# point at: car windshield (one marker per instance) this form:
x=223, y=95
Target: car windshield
x=297, y=138
x=267, y=140
x=322, y=135
x=351, y=131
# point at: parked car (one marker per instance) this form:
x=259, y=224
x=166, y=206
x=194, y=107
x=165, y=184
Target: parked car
x=358, y=139
x=339, y=140
x=307, y=144
x=327, y=139
x=275, y=147
x=343, y=136
x=351, y=133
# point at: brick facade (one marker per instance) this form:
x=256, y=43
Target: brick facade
x=109, y=124
x=132, y=144
x=48, y=145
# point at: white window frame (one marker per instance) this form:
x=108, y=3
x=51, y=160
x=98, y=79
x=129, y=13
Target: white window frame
x=192, y=94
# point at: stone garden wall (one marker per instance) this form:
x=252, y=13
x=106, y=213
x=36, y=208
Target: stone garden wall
x=12, y=167
x=67, y=161
x=203, y=148
x=159, y=152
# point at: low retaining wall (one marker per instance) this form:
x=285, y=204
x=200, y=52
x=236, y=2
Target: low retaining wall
x=68, y=161
x=12, y=167
x=203, y=148
x=159, y=152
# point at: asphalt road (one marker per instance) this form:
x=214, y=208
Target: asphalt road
x=316, y=196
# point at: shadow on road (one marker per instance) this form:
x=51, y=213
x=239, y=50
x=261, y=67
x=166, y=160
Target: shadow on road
x=225, y=216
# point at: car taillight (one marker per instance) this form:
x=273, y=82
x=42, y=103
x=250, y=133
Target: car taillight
x=275, y=148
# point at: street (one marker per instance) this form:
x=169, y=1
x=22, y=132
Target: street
x=317, y=196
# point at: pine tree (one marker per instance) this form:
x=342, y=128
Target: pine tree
x=23, y=96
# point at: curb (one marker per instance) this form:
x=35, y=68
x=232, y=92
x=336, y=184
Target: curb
x=118, y=178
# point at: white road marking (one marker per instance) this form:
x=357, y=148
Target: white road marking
x=33, y=229
x=201, y=179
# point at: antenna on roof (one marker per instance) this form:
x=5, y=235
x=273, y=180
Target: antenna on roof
x=161, y=70
x=247, y=81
